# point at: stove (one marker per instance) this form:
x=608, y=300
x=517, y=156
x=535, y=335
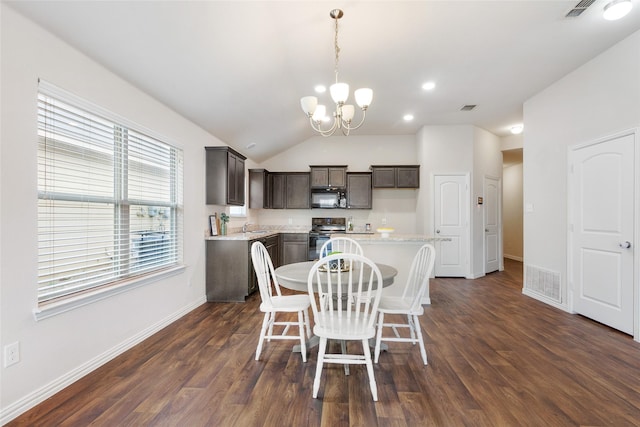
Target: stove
x=321, y=230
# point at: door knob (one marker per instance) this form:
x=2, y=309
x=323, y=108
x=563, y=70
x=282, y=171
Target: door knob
x=486, y=230
x=438, y=231
x=625, y=245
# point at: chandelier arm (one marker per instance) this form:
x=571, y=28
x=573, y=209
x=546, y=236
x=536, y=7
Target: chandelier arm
x=324, y=132
x=364, y=115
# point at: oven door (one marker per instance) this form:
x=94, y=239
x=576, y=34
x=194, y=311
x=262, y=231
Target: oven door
x=316, y=240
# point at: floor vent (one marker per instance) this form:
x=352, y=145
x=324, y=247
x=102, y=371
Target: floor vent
x=543, y=282
x=579, y=8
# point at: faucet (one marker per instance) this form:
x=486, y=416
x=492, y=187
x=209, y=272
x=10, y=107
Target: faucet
x=244, y=227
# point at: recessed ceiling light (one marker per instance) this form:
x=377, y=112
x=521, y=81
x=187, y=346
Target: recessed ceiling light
x=407, y=117
x=617, y=9
x=251, y=145
x=320, y=89
x=517, y=129
x=429, y=85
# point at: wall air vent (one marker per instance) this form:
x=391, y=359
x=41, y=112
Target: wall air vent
x=468, y=107
x=579, y=8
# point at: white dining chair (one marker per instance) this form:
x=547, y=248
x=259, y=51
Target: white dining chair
x=340, y=244
x=348, y=312
x=273, y=302
x=408, y=304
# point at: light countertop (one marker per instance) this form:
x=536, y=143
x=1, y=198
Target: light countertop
x=259, y=233
x=394, y=237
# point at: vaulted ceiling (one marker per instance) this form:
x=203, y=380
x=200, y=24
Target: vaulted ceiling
x=239, y=68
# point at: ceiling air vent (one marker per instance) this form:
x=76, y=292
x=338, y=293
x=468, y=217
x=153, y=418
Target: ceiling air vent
x=468, y=107
x=580, y=7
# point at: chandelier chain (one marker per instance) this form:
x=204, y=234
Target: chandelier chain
x=337, y=50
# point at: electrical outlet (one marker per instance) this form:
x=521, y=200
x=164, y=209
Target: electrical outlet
x=11, y=354
x=290, y=221
x=384, y=221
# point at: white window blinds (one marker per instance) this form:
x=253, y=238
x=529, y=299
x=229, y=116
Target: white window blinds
x=109, y=199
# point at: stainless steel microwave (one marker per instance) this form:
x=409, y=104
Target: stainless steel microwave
x=326, y=199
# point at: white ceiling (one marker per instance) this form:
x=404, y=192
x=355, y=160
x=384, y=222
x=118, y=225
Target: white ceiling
x=239, y=68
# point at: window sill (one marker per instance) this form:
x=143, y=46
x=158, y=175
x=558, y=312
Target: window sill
x=72, y=302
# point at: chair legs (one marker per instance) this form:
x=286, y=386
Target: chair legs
x=266, y=331
x=372, y=379
x=413, y=323
x=321, y=351
x=263, y=333
x=333, y=358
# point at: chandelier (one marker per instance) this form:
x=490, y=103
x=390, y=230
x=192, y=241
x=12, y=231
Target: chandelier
x=344, y=113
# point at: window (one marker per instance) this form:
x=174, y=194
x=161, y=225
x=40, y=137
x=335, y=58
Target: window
x=109, y=199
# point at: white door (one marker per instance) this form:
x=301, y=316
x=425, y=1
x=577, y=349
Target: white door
x=492, y=224
x=451, y=220
x=602, y=219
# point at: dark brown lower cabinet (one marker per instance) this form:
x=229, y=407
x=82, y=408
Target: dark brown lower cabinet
x=229, y=270
x=294, y=247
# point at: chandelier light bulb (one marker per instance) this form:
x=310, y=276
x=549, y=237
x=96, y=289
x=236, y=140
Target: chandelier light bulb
x=348, y=111
x=308, y=104
x=363, y=97
x=339, y=92
x=320, y=113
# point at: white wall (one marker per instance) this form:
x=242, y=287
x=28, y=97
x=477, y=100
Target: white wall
x=598, y=99
x=487, y=163
x=359, y=152
x=460, y=150
x=70, y=344
x=441, y=150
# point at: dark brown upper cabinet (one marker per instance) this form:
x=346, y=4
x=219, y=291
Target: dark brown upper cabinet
x=397, y=176
x=328, y=176
x=359, y=190
x=225, y=176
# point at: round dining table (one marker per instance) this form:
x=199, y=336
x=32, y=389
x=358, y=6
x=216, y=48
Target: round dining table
x=294, y=276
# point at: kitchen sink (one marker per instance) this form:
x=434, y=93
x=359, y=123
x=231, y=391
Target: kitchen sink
x=257, y=231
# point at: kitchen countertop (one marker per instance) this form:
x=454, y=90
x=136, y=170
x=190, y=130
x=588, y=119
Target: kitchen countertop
x=394, y=237
x=261, y=232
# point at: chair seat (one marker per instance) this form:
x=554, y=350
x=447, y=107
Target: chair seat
x=334, y=328
x=398, y=305
x=287, y=303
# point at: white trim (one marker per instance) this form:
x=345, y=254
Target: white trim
x=17, y=408
x=79, y=300
x=513, y=257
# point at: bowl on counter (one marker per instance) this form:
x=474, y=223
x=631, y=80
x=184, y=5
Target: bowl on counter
x=385, y=231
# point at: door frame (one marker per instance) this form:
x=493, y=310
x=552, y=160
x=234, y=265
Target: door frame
x=572, y=288
x=484, y=223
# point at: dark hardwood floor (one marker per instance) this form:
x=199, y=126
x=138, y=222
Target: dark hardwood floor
x=496, y=358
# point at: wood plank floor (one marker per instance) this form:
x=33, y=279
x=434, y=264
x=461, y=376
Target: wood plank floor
x=496, y=358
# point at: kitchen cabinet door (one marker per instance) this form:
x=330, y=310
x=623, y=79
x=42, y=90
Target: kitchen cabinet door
x=277, y=192
x=359, y=193
x=408, y=176
x=294, y=247
x=298, y=190
x=384, y=177
x=259, y=189
x=328, y=176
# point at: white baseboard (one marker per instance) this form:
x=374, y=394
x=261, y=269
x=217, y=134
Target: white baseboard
x=513, y=257
x=40, y=395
